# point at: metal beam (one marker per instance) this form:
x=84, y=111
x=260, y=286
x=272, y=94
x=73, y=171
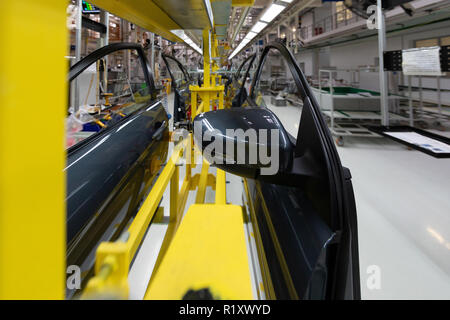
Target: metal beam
x=383, y=75
x=143, y=13
x=93, y=25
x=240, y=23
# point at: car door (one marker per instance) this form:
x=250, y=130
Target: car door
x=119, y=148
x=313, y=224
x=180, y=84
x=303, y=213
x=240, y=80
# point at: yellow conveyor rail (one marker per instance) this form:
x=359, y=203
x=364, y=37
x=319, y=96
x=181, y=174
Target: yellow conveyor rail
x=208, y=252
x=113, y=259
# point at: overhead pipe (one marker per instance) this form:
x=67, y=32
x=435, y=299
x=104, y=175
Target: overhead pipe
x=240, y=23
x=230, y=22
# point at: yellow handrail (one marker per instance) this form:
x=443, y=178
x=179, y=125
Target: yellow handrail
x=221, y=191
x=113, y=259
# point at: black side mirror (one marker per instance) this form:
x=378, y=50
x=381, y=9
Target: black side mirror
x=252, y=143
x=249, y=142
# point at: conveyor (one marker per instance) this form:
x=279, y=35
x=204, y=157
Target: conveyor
x=303, y=248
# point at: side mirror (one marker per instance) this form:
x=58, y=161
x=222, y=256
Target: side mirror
x=249, y=142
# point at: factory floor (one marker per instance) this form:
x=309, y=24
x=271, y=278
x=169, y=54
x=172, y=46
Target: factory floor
x=403, y=208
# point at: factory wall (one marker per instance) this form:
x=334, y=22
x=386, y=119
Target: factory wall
x=323, y=12
x=352, y=55
x=307, y=62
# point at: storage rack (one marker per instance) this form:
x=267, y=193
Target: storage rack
x=350, y=122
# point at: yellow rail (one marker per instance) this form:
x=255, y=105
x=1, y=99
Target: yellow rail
x=221, y=192
x=113, y=259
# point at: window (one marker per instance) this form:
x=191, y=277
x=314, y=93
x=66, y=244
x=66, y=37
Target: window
x=243, y=71
x=107, y=91
x=442, y=41
x=177, y=72
x=276, y=90
x=342, y=13
x=445, y=41
x=427, y=43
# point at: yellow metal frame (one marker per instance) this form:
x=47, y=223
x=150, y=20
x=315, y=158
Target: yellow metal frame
x=113, y=259
x=266, y=286
x=32, y=232
x=143, y=13
x=208, y=251
x=32, y=157
x=242, y=3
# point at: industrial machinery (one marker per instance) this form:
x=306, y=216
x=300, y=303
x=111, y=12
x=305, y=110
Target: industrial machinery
x=294, y=236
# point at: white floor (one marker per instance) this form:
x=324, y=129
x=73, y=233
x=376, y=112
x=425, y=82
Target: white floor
x=403, y=208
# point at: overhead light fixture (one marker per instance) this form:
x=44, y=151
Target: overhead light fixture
x=271, y=13
x=288, y=1
x=183, y=36
x=251, y=35
x=209, y=11
x=258, y=26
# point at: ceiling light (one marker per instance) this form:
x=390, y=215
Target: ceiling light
x=182, y=35
x=258, y=26
x=288, y=1
x=251, y=35
x=271, y=13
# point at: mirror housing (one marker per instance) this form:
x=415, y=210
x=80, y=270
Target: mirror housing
x=249, y=142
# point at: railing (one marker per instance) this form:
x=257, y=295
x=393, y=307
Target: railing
x=113, y=259
x=337, y=20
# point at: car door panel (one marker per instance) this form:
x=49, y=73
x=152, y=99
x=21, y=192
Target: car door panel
x=315, y=223
x=304, y=212
x=110, y=173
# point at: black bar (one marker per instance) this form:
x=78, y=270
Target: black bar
x=93, y=25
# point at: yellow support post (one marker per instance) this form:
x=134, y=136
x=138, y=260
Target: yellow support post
x=206, y=58
x=221, y=187
x=174, y=189
x=193, y=102
x=33, y=86
x=200, y=107
x=200, y=198
x=221, y=94
x=210, y=90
